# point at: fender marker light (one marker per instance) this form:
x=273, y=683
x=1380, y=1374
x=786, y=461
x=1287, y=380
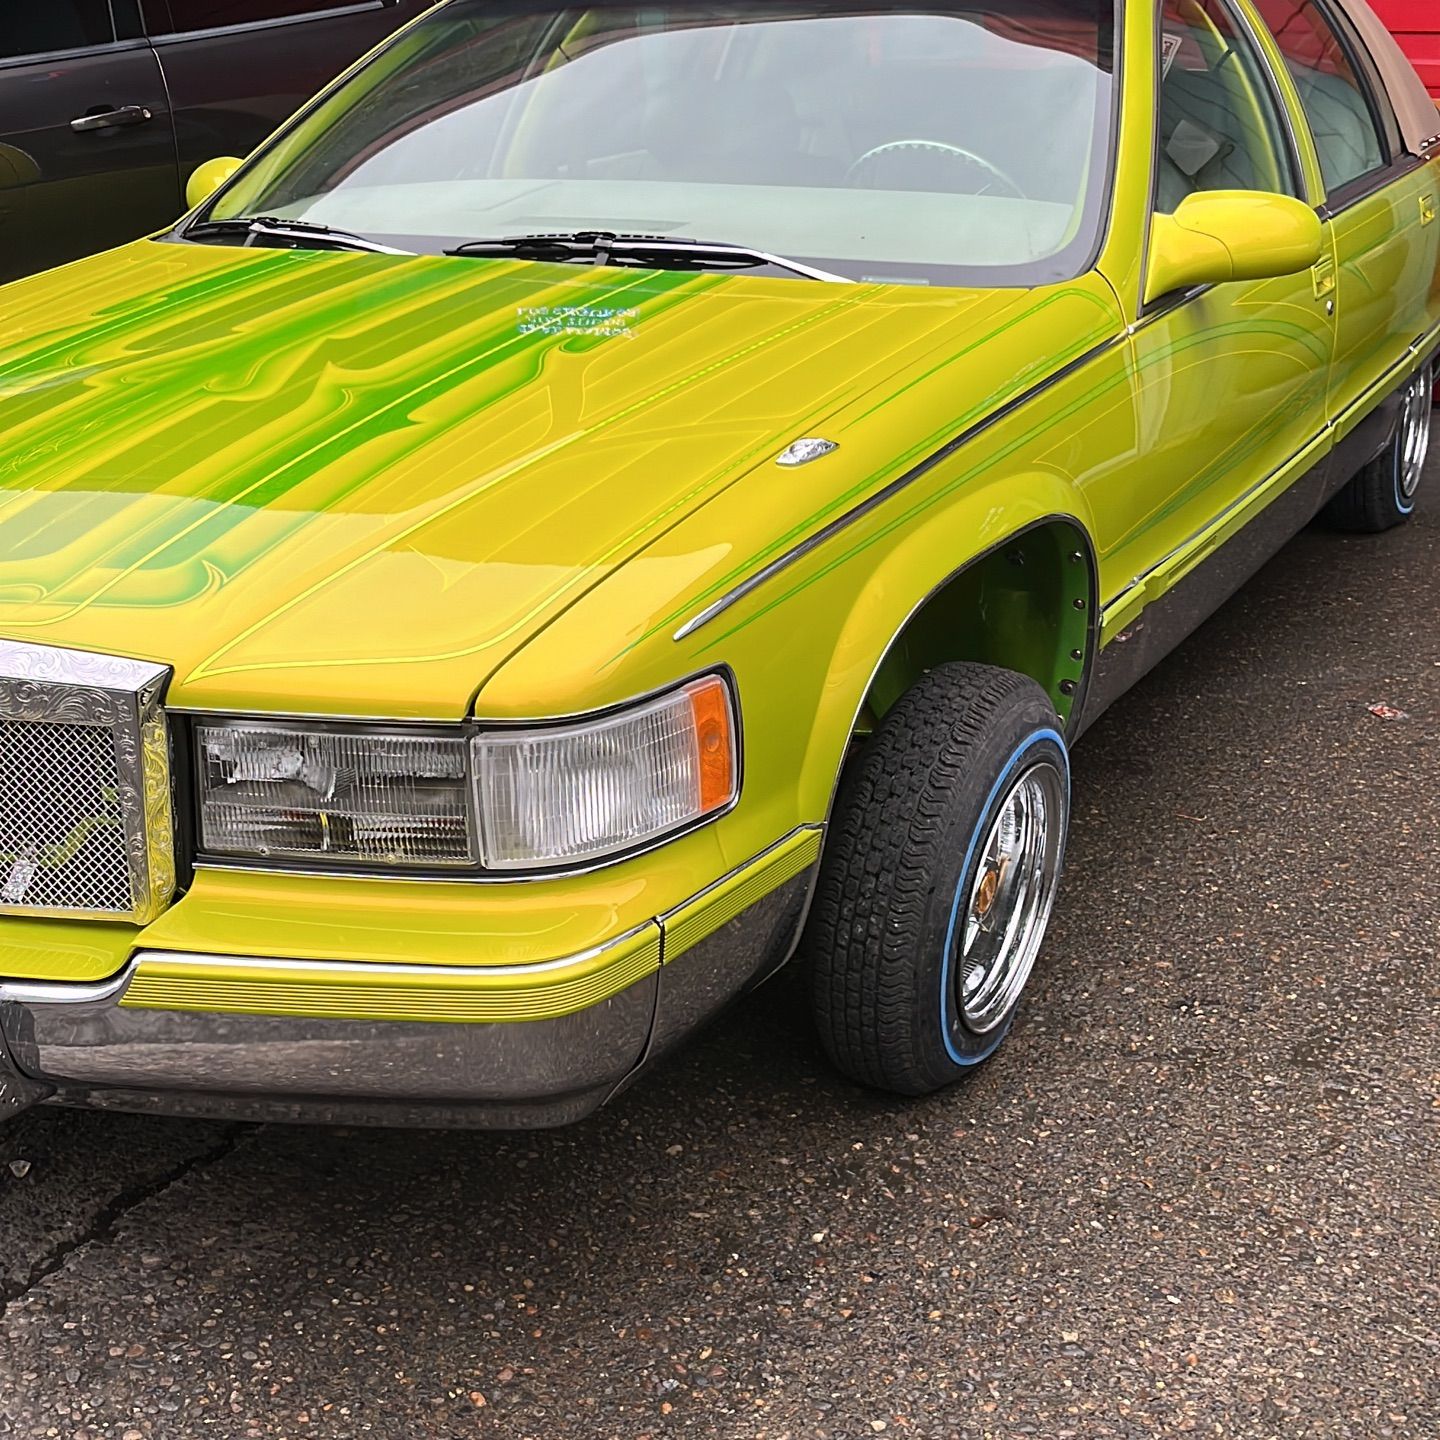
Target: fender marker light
x=572, y=793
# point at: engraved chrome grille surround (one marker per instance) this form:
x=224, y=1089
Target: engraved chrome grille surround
x=86, y=824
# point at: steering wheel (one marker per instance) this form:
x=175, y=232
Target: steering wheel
x=868, y=167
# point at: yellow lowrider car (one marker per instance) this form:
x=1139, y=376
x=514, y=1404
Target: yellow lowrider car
x=610, y=496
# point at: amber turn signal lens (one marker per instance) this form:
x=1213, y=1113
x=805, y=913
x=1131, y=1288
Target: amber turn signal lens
x=715, y=740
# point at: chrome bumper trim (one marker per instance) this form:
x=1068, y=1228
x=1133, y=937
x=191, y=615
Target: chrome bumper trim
x=743, y=953
x=89, y=1048
x=28, y=992
x=82, y=1044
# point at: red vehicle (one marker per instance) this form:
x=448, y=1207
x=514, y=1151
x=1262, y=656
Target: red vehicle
x=1416, y=25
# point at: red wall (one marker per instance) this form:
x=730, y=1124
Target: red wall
x=1416, y=24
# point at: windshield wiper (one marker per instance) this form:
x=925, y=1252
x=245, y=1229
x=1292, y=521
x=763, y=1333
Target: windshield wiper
x=255, y=227
x=660, y=252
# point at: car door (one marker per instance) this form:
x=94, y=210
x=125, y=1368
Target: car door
x=237, y=68
x=1230, y=379
x=87, y=154
x=1380, y=210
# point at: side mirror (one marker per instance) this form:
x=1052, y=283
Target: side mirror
x=1223, y=235
x=209, y=178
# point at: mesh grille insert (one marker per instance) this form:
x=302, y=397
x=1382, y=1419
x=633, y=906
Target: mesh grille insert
x=62, y=828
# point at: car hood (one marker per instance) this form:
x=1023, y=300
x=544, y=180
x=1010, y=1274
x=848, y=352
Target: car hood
x=356, y=484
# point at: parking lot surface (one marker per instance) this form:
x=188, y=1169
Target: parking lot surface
x=1197, y=1193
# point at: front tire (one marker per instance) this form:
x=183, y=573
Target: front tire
x=1382, y=495
x=939, y=876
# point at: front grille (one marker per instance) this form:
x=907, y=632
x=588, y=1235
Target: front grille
x=62, y=831
x=85, y=808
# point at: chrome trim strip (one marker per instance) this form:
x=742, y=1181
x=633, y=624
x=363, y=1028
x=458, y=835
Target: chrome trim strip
x=754, y=862
x=1423, y=344
x=1184, y=606
x=25, y=992
x=420, y=723
x=363, y=971
x=245, y=27
x=1366, y=402
x=888, y=492
x=1165, y=305
x=50, y=58
x=64, y=992
x=1139, y=582
x=1376, y=392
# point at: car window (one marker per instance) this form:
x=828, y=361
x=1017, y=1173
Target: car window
x=188, y=15
x=1337, y=102
x=1221, y=127
x=39, y=29
x=927, y=143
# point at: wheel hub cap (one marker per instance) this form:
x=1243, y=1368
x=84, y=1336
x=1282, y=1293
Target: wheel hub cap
x=1011, y=897
x=1415, y=432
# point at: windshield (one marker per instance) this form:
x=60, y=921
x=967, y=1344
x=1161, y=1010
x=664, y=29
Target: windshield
x=953, y=144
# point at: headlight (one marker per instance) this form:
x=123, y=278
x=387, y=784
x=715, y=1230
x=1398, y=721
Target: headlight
x=357, y=797
x=581, y=792
x=506, y=800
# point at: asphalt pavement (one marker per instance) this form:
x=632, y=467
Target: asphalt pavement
x=1197, y=1193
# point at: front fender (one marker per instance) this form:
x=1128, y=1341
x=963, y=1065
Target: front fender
x=799, y=580
x=911, y=573
x=805, y=646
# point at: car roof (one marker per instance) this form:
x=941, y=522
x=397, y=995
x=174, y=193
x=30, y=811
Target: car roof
x=1414, y=107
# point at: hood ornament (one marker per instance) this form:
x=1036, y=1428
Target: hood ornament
x=802, y=452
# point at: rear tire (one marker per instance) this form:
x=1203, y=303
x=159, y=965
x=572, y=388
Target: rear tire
x=1382, y=495
x=940, y=871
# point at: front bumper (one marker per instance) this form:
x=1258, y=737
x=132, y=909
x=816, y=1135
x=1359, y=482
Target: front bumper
x=491, y=1047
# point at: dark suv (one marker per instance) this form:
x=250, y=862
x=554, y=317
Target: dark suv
x=106, y=106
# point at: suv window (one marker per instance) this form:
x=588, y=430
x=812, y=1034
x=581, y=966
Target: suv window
x=31, y=29
x=1220, y=121
x=1337, y=102
x=187, y=15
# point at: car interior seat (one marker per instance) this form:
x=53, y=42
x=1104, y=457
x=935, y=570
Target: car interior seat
x=1341, y=123
x=1203, y=144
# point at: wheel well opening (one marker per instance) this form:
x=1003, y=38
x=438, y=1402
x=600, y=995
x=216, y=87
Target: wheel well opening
x=1028, y=606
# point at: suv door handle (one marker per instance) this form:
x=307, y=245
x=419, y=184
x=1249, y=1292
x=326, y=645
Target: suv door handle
x=111, y=119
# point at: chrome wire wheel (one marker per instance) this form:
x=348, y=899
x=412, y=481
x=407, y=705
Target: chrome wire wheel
x=1011, y=897
x=1415, y=433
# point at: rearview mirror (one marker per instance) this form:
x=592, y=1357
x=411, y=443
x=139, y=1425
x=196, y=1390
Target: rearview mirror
x=209, y=178
x=1223, y=235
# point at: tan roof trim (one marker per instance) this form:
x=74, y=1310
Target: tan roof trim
x=1414, y=108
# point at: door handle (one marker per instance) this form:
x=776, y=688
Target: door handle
x=111, y=119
